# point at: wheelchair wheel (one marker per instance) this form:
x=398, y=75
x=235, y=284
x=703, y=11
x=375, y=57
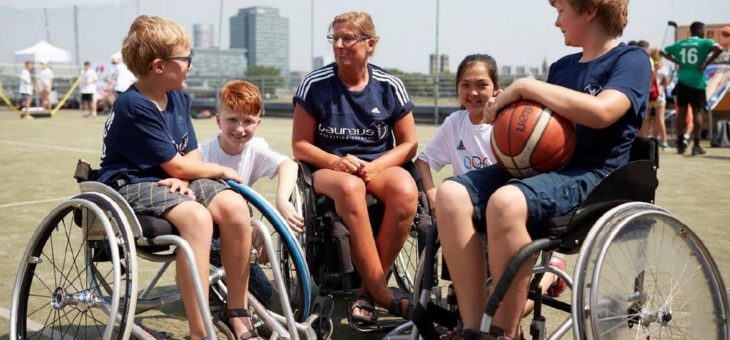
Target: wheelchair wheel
x=289, y=256
x=406, y=264
x=76, y=275
x=647, y=275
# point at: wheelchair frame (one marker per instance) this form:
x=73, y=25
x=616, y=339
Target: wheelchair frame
x=620, y=205
x=318, y=210
x=115, y=234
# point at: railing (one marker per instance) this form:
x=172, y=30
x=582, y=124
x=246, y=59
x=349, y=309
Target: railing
x=276, y=91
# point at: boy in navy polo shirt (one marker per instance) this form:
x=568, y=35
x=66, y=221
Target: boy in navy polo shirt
x=604, y=90
x=150, y=155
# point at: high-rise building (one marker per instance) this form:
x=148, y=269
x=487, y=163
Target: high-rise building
x=320, y=61
x=265, y=36
x=434, y=66
x=205, y=63
x=444, y=67
x=203, y=36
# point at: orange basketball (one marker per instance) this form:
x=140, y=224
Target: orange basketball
x=528, y=139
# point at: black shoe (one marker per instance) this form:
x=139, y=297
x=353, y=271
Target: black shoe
x=681, y=146
x=698, y=150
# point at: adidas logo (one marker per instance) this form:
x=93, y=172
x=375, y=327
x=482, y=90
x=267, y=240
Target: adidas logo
x=461, y=145
x=375, y=110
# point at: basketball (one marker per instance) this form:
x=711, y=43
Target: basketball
x=528, y=138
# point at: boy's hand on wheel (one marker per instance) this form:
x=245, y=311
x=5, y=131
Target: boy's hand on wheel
x=231, y=174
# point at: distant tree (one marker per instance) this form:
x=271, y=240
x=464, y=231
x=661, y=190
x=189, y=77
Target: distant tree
x=267, y=78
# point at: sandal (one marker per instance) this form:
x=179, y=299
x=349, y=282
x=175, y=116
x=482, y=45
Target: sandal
x=395, y=307
x=236, y=313
x=364, y=302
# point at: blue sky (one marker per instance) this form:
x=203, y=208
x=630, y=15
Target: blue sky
x=516, y=32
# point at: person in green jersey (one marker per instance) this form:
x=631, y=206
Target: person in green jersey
x=692, y=55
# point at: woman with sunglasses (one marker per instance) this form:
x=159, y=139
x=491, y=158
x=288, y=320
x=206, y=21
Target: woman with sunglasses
x=353, y=123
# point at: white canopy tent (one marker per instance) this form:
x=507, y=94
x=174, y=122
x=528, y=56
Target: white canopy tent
x=43, y=51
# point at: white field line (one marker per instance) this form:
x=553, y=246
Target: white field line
x=47, y=146
x=15, y=204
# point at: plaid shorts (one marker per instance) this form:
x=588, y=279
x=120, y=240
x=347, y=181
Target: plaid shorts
x=150, y=198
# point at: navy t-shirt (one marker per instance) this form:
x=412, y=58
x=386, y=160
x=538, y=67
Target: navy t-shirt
x=625, y=69
x=357, y=123
x=138, y=137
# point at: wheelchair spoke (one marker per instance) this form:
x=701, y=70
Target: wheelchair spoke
x=655, y=281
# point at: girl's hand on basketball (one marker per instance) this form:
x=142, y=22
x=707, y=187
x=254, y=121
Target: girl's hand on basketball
x=177, y=185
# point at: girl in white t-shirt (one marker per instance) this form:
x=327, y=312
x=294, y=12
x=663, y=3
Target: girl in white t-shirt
x=463, y=140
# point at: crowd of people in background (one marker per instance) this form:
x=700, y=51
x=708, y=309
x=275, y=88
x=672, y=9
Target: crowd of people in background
x=688, y=96
x=94, y=94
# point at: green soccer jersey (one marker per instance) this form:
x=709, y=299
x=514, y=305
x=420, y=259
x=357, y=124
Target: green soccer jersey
x=691, y=53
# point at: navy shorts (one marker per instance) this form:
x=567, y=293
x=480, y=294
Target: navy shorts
x=149, y=198
x=548, y=195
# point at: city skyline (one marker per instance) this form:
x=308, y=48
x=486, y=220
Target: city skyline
x=518, y=33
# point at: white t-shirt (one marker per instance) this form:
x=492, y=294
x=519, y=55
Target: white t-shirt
x=124, y=78
x=258, y=159
x=26, y=83
x=460, y=143
x=88, y=81
x=46, y=78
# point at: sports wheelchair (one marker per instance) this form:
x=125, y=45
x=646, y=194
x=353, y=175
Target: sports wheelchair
x=640, y=272
x=79, y=275
x=327, y=251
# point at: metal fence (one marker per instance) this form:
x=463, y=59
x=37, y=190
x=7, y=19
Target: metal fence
x=276, y=91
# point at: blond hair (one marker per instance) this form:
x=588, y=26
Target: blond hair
x=242, y=96
x=613, y=14
x=150, y=38
x=655, y=55
x=361, y=20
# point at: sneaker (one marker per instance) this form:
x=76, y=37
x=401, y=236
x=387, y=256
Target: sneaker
x=698, y=150
x=558, y=287
x=664, y=146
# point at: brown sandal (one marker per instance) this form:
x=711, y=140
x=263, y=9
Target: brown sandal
x=237, y=313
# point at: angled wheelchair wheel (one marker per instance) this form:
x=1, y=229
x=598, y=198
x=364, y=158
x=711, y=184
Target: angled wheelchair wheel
x=645, y=274
x=288, y=255
x=76, y=277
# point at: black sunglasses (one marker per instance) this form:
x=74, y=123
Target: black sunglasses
x=188, y=59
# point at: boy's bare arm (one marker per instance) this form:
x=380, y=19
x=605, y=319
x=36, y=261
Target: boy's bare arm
x=287, y=178
x=427, y=180
x=192, y=167
x=596, y=112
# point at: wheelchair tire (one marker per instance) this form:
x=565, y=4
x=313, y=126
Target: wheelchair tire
x=289, y=255
x=77, y=274
x=642, y=273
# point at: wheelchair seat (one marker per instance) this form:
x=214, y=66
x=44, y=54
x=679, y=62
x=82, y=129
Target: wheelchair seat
x=633, y=182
